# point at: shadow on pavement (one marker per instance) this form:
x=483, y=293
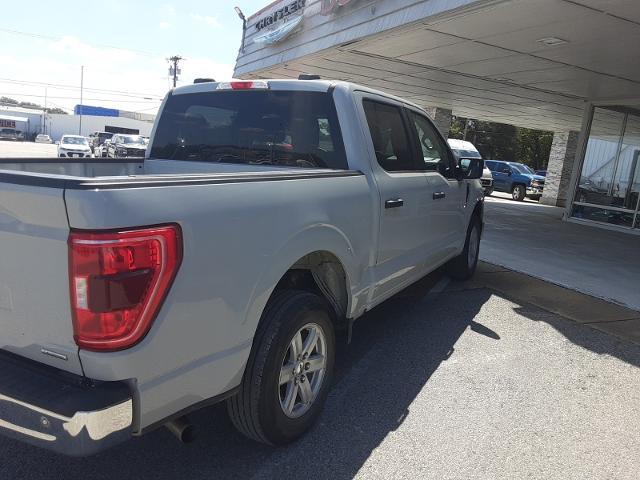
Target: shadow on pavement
x=583, y=335
x=395, y=350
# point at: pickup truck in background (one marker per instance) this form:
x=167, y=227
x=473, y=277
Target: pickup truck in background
x=265, y=215
x=515, y=178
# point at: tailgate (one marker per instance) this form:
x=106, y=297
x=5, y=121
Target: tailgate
x=35, y=312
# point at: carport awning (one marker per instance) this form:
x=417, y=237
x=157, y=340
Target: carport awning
x=531, y=63
x=15, y=119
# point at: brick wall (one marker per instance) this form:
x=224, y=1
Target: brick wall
x=561, y=161
x=442, y=118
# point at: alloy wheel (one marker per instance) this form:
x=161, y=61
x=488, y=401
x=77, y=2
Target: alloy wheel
x=303, y=370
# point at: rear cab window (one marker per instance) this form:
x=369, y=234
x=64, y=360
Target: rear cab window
x=296, y=129
x=389, y=136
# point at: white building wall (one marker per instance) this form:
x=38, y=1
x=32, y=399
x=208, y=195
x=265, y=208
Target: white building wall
x=34, y=124
x=59, y=125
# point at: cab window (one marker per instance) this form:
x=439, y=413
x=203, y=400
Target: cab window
x=435, y=154
x=390, y=137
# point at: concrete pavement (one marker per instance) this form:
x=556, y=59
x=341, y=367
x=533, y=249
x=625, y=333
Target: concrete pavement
x=531, y=238
x=27, y=149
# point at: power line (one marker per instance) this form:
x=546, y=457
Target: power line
x=50, y=37
x=27, y=83
x=75, y=98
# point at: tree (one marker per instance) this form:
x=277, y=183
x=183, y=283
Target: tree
x=534, y=147
x=505, y=142
x=15, y=103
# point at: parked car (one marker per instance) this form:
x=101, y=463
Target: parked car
x=11, y=134
x=515, y=178
x=125, y=146
x=74, y=146
x=219, y=267
x=42, y=138
x=101, y=150
x=463, y=148
x=96, y=139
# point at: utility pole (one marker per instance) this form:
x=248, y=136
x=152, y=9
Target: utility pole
x=175, y=60
x=44, y=114
x=81, y=97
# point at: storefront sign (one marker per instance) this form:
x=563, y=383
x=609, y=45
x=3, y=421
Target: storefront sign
x=281, y=14
x=330, y=6
x=7, y=123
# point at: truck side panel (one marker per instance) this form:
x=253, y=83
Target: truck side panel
x=239, y=239
x=35, y=312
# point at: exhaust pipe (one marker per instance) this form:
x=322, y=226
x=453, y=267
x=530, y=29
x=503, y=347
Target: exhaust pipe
x=182, y=428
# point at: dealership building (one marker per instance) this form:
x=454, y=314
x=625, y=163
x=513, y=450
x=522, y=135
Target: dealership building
x=567, y=66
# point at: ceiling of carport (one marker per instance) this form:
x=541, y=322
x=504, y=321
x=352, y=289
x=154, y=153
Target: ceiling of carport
x=488, y=63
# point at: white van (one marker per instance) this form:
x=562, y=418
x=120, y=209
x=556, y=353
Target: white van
x=466, y=149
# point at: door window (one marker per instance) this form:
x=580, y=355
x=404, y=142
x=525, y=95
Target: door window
x=435, y=154
x=389, y=136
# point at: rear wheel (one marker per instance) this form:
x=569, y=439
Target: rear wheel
x=464, y=265
x=518, y=192
x=289, y=372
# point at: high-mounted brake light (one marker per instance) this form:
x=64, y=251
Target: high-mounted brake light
x=118, y=282
x=244, y=85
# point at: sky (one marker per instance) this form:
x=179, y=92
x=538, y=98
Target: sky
x=122, y=44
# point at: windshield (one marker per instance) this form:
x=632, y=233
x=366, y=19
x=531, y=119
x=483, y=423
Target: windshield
x=466, y=153
x=520, y=168
x=74, y=140
x=132, y=139
x=284, y=128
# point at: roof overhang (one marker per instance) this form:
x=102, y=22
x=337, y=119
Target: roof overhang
x=532, y=63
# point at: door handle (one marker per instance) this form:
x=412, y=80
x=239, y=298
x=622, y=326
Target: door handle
x=439, y=195
x=394, y=203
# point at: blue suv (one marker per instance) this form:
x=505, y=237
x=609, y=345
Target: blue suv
x=515, y=178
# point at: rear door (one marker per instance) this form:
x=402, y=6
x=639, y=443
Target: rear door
x=448, y=196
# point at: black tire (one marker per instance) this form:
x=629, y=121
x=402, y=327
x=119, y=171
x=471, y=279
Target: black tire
x=518, y=192
x=461, y=267
x=256, y=409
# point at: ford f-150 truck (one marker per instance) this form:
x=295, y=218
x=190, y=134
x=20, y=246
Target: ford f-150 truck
x=265, y=215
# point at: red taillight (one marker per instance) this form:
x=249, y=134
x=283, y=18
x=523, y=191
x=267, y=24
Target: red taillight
x=118, y=281
x=241, y=85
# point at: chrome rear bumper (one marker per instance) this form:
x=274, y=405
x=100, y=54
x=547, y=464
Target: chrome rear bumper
x=58, y=411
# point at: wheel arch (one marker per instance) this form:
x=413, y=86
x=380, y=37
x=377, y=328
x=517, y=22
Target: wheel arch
x=319, y=259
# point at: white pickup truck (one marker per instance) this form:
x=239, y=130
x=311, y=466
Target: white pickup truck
x=266, y=215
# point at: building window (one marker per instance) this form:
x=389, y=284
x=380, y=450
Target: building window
x=608, y=189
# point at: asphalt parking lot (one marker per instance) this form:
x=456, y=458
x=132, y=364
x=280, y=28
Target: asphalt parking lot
x=464, y=383
x=27, y=149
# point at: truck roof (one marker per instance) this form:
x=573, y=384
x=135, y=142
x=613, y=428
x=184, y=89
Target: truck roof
x=321, y=85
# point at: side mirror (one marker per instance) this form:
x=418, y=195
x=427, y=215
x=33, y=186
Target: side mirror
x=469, y=169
